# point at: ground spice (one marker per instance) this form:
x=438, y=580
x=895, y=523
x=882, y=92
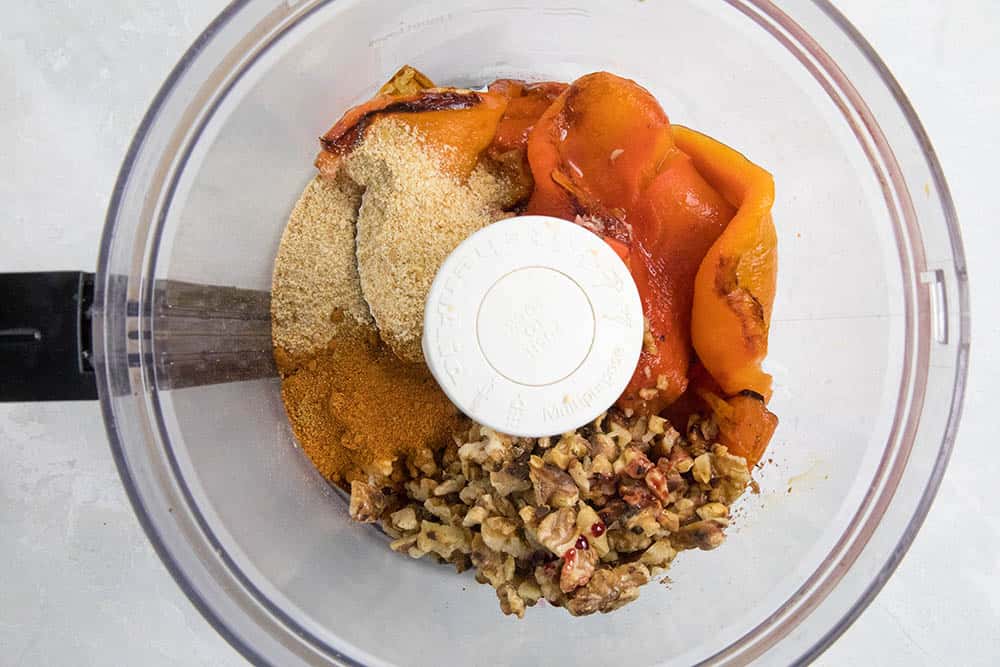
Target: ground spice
x=355, y=407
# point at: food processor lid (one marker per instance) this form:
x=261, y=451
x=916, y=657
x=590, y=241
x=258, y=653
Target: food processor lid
x=533, y=326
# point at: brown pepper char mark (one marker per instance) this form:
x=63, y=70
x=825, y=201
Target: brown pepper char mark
x=583, y=202
x=750, y=393
x=586, y=206
x=427, y=101
x=741, y=301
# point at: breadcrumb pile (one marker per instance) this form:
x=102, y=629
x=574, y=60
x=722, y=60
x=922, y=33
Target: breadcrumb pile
x=352, y=273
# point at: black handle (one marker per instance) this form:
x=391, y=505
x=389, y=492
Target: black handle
x=45, y=336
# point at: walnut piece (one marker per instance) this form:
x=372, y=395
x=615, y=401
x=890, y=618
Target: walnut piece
x=502, y=534
x=511, y=602
x=512, y=478
x=367, y=502
x=557, y=531
x=405, y=519
x=609, y=589
x=442, y=540
x=553, y=486
x=578, y=567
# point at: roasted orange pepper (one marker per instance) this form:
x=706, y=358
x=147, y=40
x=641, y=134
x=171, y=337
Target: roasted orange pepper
x=735, y=284
x=596, y=149
x=463, y=120
x=603, y=154
x=745, y=424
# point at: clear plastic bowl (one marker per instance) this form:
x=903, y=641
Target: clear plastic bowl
x=869, y=342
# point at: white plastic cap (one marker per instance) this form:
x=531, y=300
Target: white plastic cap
x=533, y=326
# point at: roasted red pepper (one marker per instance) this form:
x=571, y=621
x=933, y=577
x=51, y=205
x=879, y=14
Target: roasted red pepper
x=603, y=154
x=526, y=102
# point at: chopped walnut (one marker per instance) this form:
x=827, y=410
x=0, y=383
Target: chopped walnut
x=552, y=486
x=405, y=544
x=557, y=531
x=604, y=447
x=442, y=540
x=702, y=470
x=453, y=485
x=729, y=466
x=612, y=512
x=423, y=462
x=705, y=535
x=474, y=490
x=547, y=576
x=656, y=424
x=670, y=521
x=495, y=567
x=502, y=534
x=635, y=493
x=475, y=516
x=580, y=520
x=648, y=340
x=380, y=468
x=684, y=509
x=420, y=489
x=609, y=589
x=367, y=502
x=497, y=504
x=589, y=524
x=659, y=555
x=619, y=434
x=440, y=508
x=578, y=567
x=663, y=446
x=712, y=511
x=600, y=465
x=602, y=487
x=510, y=602
x=405, y=519
x=530, y=591
x=579, y=476
x=560, y=455
x=625, y=541
x=648, y=393
x=680, y=460
x=512, y=478
x=657, y=483
x=644, y=522
x=636, y=464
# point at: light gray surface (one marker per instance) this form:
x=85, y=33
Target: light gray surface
x=80, y=584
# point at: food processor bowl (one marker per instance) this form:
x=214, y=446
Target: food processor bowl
x=869, y=339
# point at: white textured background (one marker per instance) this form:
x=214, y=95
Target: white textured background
x=78, y=582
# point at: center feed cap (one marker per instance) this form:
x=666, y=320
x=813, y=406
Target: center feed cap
x=533, y=326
